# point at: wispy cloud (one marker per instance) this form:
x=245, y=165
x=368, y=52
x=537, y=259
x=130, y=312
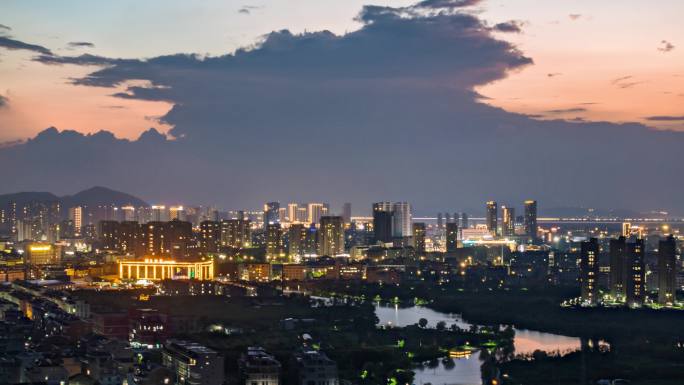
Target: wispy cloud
x=553, y=74
x=575, y=16
x=80, y=44
x=665, y=46
x=625, y=82
x=3, y=101
x=247, y=9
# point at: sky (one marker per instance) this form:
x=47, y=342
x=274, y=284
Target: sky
x=342, y=100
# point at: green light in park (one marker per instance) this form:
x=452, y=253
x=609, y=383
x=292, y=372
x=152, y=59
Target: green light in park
x=364, y=374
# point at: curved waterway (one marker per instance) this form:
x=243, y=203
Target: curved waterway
x=466, y=371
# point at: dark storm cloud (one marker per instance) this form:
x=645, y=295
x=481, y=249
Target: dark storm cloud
x=386, y=112
x=666, y=46
x=80, y=44
x=664, y=118
x=11, y=44
x=512, y=26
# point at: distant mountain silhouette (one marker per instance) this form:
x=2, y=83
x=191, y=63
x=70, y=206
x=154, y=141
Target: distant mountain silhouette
x=101, y=196
x=21, y=198
x=91, y=197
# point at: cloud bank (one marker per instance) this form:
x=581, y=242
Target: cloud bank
x=386, y=112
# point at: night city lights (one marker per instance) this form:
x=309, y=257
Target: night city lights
x=404, y=192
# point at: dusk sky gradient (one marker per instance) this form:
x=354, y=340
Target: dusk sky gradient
x=444, y=103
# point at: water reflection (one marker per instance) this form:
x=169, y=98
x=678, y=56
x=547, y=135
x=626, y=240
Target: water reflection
x=526, y=341
x=460, y=371
x=466, y=371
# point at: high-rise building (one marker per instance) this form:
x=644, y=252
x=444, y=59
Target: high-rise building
x=177, y=213
x=76, y=215
x=589, y=270
x=159, y=213
x=457, y=218
x=451, y=237
x=347, y=212
x=440, y=221
x=296, y=235
x=210, y=236
x=127, y=213
x=636, y=278
x=447, y=218
x=236, y=233
x=382, y=222
x=331, y=236
x=315, y=211
x=507, y=221
x=618, y=268
x=302, y=216
x=667, y=271
x=274, y=241
x=401, y=220
x=492, y=217
x=419, y=237
x=292, y=212
x=530, y=220
x=271, y=213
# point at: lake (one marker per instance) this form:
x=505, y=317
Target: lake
x=466, y=371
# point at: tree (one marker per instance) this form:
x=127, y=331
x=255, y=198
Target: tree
x=441, y=326
x=422, y=322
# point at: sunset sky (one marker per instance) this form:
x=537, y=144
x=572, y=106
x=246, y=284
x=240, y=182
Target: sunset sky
x=593, y=60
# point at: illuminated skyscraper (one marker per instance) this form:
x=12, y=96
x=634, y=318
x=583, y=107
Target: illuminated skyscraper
x=451, y=237
x=331, y=236
x=492, y=220
x=210, y=236
x=76, y=215
x=507, y=221
x=667, y=271
x=292, y=212
x=296, y=235
x=636, y=278
x=271, y=213
x=176, y=212
x=419, y=237
x=530, y=221
x=589, y=270
x=401, y=220
x=315, y=211
x=440, y=221
x=618, y=268
x=159, y=213
x=302, y=216
x=274, y=241
x=236, y=233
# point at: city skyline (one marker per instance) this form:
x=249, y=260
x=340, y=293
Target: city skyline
x=347, y=107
